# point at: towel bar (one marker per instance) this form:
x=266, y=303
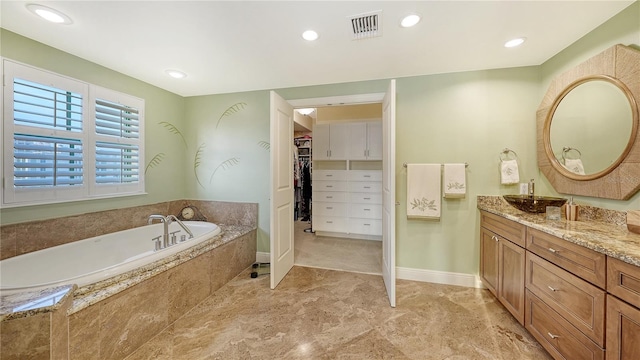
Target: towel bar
x=465, y=165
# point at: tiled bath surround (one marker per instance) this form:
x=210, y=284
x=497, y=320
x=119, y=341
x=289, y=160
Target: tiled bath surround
x=112, y=322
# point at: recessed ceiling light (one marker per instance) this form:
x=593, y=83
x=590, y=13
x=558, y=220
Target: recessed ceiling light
x=514, y=42
x=410, y=20
x=310, y=35
x=306, y=111
x=176, y=74
x=49, y=14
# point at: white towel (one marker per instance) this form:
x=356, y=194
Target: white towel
x=509, y=173
x=423, y=191
x=455, y=180
x=574, y=165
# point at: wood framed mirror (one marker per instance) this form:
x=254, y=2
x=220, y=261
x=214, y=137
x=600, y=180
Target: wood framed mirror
x=587, y=126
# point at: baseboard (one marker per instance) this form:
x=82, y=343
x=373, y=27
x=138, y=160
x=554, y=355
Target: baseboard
x=432, y=276
x=263, y=257
x=439, y=277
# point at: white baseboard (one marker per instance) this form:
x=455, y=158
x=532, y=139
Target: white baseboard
x=263, y=257
x=439, y=277
x=432, y=276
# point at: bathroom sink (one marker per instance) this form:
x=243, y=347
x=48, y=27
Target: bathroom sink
x=533, y=204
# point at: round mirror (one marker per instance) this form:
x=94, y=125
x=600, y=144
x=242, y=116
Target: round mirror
x=590, y=128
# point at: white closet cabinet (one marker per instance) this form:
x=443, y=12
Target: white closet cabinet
x=330, y=200
x=365, y=141
x=330, y=141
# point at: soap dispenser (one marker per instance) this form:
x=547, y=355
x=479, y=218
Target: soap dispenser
x=571, y=210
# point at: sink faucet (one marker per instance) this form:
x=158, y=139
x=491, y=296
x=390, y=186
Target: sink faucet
x=171, y=218
x=532, y=186
x=165, y=223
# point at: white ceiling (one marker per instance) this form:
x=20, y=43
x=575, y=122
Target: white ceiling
x=231, y=46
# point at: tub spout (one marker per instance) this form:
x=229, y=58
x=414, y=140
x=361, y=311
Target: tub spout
x=171, y=218
x=165, y=223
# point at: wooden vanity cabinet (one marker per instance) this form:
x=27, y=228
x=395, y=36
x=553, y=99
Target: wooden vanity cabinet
x=623, y=310
x=502, y=261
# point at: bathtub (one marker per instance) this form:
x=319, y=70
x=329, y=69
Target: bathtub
x=95, y=259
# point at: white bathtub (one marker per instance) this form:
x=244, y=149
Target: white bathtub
x=95, y=259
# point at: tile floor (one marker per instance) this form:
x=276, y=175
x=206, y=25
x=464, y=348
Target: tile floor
x=325, y=314
x=362, y=256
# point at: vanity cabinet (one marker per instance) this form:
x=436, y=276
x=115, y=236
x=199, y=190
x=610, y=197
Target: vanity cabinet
x=502, y=261
x=623, y=310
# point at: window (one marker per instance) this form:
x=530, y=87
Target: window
x=66, y=140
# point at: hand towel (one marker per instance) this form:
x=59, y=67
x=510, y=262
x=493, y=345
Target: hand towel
x=455, y=182
x=509, y=173
x=574, y=165
x=423, y=191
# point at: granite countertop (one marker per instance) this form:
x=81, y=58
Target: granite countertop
x=48, y=300
x=605, y=232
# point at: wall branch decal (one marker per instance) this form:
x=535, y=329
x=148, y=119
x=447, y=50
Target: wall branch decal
x=155, y=161
x=225, y=165
x=174, y=130
x=231, y=110
x=197, y=160
x=265, y=145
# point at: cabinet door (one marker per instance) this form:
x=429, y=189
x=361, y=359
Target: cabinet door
x=489, y=260
x=339, y=141
x=374, y=140
x=511, y=270
x=358, y=141
x=623, y=330
x=321, y=142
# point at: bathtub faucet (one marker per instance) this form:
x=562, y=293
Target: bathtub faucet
x=171, y=218
x=165, y=223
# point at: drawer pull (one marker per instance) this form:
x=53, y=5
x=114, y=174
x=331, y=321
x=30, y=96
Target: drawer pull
x=366, y=224
x=329, y=175
x=367, y=187
x=329, y=197
x=494, y=238
x=553, y=336
x=367, y=176
x=329, y=207
x=553, y=250
x=329, y=186
x=552, y=289
x=329, y=222
x=367, y=198
x=367, y=209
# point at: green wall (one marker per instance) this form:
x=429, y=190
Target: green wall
x=164, y=182
x=460, y=117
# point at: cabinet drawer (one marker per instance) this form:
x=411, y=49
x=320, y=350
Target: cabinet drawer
x=365, y=175
x=576, y=259
x=365, y=211
x=329, y=175
x=365, y=198
x=555, y=334
x=329, y=196
x=580, y=303
x=329, y=209
x=365, y=226
x=328, y=223
x=506, y=228
x=329, y=185
x=623, y=281
x=365, y=186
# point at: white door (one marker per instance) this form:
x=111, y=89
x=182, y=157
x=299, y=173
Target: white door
x=389, y=192
x=282, y=205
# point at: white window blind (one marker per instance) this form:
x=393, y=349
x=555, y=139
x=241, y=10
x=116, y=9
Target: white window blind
x=70, y=140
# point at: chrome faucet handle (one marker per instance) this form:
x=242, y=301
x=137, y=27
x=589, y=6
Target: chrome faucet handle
x=158, y=243
x=174, y=238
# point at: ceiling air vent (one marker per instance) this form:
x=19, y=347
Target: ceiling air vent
x=367, y=25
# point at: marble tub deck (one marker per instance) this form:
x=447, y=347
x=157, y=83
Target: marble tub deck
x=326, y=314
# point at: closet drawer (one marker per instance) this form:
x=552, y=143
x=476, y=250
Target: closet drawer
x=365, y=175
x=365, y=211
x=329, y=209
x=561, y=339
x=365, y=198
x=329, y=185
x=365, y=226
x=580, y=303
x=623, y=281
x=365, y=186
x=329, y=175
x=329, y=196
x=506, y=228
x=329, y=223
x=576, y=259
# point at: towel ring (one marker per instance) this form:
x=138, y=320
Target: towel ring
x=566, y=149
x=504, y=155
